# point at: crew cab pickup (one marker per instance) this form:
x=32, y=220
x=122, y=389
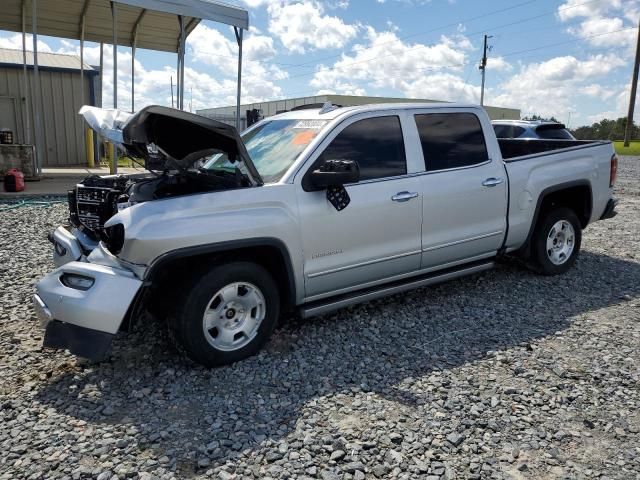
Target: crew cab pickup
x=307, y=211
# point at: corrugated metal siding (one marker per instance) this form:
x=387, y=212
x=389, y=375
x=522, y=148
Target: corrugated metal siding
x=63, y=128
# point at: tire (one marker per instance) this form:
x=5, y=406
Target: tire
x=556, y=241
x=228, y=314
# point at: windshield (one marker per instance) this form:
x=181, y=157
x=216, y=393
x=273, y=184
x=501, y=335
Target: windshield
x=272, y=146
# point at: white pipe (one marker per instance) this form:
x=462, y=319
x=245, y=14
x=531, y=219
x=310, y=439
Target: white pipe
x=26, y=115
x=239, y=39
x=39, y=148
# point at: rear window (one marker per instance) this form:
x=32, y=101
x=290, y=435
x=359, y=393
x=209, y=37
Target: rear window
x=508, y=131
x=451, y=140
x=557, y=133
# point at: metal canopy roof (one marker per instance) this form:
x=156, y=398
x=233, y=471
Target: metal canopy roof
x=10, y=57
x=156, y=20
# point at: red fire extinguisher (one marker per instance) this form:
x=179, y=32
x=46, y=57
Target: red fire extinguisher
x=14, y=181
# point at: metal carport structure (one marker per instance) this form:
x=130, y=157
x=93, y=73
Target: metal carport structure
x=161, y=25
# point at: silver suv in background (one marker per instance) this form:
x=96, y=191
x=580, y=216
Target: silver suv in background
x=531, y=129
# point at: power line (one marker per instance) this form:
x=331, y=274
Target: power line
x=312, y=63
x=438, y=67
x=567, y=41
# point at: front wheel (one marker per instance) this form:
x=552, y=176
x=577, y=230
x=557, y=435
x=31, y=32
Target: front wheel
x=229, y=314
x=556, y=241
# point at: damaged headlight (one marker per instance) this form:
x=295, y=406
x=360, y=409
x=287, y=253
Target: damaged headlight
x=113, y=238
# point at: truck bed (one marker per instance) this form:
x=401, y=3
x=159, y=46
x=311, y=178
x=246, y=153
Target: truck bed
x=535, y=166
x=513, y=148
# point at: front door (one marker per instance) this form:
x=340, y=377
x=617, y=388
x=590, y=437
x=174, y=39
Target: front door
x=377, y=236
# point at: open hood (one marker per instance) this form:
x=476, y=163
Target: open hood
x=185, y=137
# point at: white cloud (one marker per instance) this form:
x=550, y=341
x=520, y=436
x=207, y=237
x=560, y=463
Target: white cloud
x=606, y=32
x=15, y=42
x=601, y=22
x=303, y=26
x=153, y=86
x=417, y=70
x=441, y=86
x=596, y=90
x=498, y=64
x=581, y=8
x=555, y=86
x=210, y=47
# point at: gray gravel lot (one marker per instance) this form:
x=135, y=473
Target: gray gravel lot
x=500, y=375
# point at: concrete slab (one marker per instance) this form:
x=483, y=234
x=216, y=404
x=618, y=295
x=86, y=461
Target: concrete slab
x=57, y=181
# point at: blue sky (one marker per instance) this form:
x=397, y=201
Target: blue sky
x=568, y=58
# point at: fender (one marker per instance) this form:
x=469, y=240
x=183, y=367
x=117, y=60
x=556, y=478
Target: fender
x=222, y=247
x=552, y=189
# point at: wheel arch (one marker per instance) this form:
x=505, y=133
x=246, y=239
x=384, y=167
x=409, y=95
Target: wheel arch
x=271, y=253
x=576, y=195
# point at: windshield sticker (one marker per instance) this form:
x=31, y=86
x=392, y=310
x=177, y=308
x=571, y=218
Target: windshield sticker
x=310, y=124
x=304, y=138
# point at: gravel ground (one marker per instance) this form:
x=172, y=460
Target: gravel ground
x=501, y=375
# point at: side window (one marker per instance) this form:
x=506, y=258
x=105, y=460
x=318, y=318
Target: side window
x=517, y=131
x=503, y=131
x=375, y=143
x=451, y=140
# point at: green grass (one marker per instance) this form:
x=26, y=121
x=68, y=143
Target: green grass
x=632, y=149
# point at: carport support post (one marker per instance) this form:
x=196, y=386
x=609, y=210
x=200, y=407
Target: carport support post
x=36, y=86
x=239, y=40
x=114, y=15
x=27, y=91
x=181, y=49
x=133, y=75
x=82, y=32
x=134, y=44
x=101, y=71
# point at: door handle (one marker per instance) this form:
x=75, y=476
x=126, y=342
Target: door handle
x=404, y=196
x=492, y=182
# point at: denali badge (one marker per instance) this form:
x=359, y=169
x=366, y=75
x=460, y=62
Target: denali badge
x=326, y=254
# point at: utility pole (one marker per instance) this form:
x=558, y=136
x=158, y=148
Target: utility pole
x=483, y=67
x=632, y=99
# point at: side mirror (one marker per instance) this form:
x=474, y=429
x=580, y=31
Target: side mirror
x=335, y=173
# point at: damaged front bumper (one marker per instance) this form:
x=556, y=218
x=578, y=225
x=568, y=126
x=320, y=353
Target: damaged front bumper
x=82, y=304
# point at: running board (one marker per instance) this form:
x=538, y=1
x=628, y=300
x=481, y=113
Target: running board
x=321, y=307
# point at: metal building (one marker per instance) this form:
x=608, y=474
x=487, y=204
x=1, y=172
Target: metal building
x=59, y=101
x=267, y=109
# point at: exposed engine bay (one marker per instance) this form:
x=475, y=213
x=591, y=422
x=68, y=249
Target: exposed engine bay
x=96, y=199
x=173, y=145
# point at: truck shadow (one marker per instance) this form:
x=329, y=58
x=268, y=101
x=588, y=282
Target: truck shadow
x=173, y=407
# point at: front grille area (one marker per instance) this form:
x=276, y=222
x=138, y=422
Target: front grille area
x=93, y=206
x=90, y=207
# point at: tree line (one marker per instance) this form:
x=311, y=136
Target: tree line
x=606, y=130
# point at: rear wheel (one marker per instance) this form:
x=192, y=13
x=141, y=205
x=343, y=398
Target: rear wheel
x=229, y=313
x=556, y=241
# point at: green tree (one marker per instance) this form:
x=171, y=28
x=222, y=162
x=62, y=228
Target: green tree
x=606, y=129
x=535, y=117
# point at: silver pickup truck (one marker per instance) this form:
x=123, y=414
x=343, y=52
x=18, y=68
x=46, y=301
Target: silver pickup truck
x=306, y=212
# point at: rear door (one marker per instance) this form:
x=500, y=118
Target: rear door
x=465, y=191
x=377, y=236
